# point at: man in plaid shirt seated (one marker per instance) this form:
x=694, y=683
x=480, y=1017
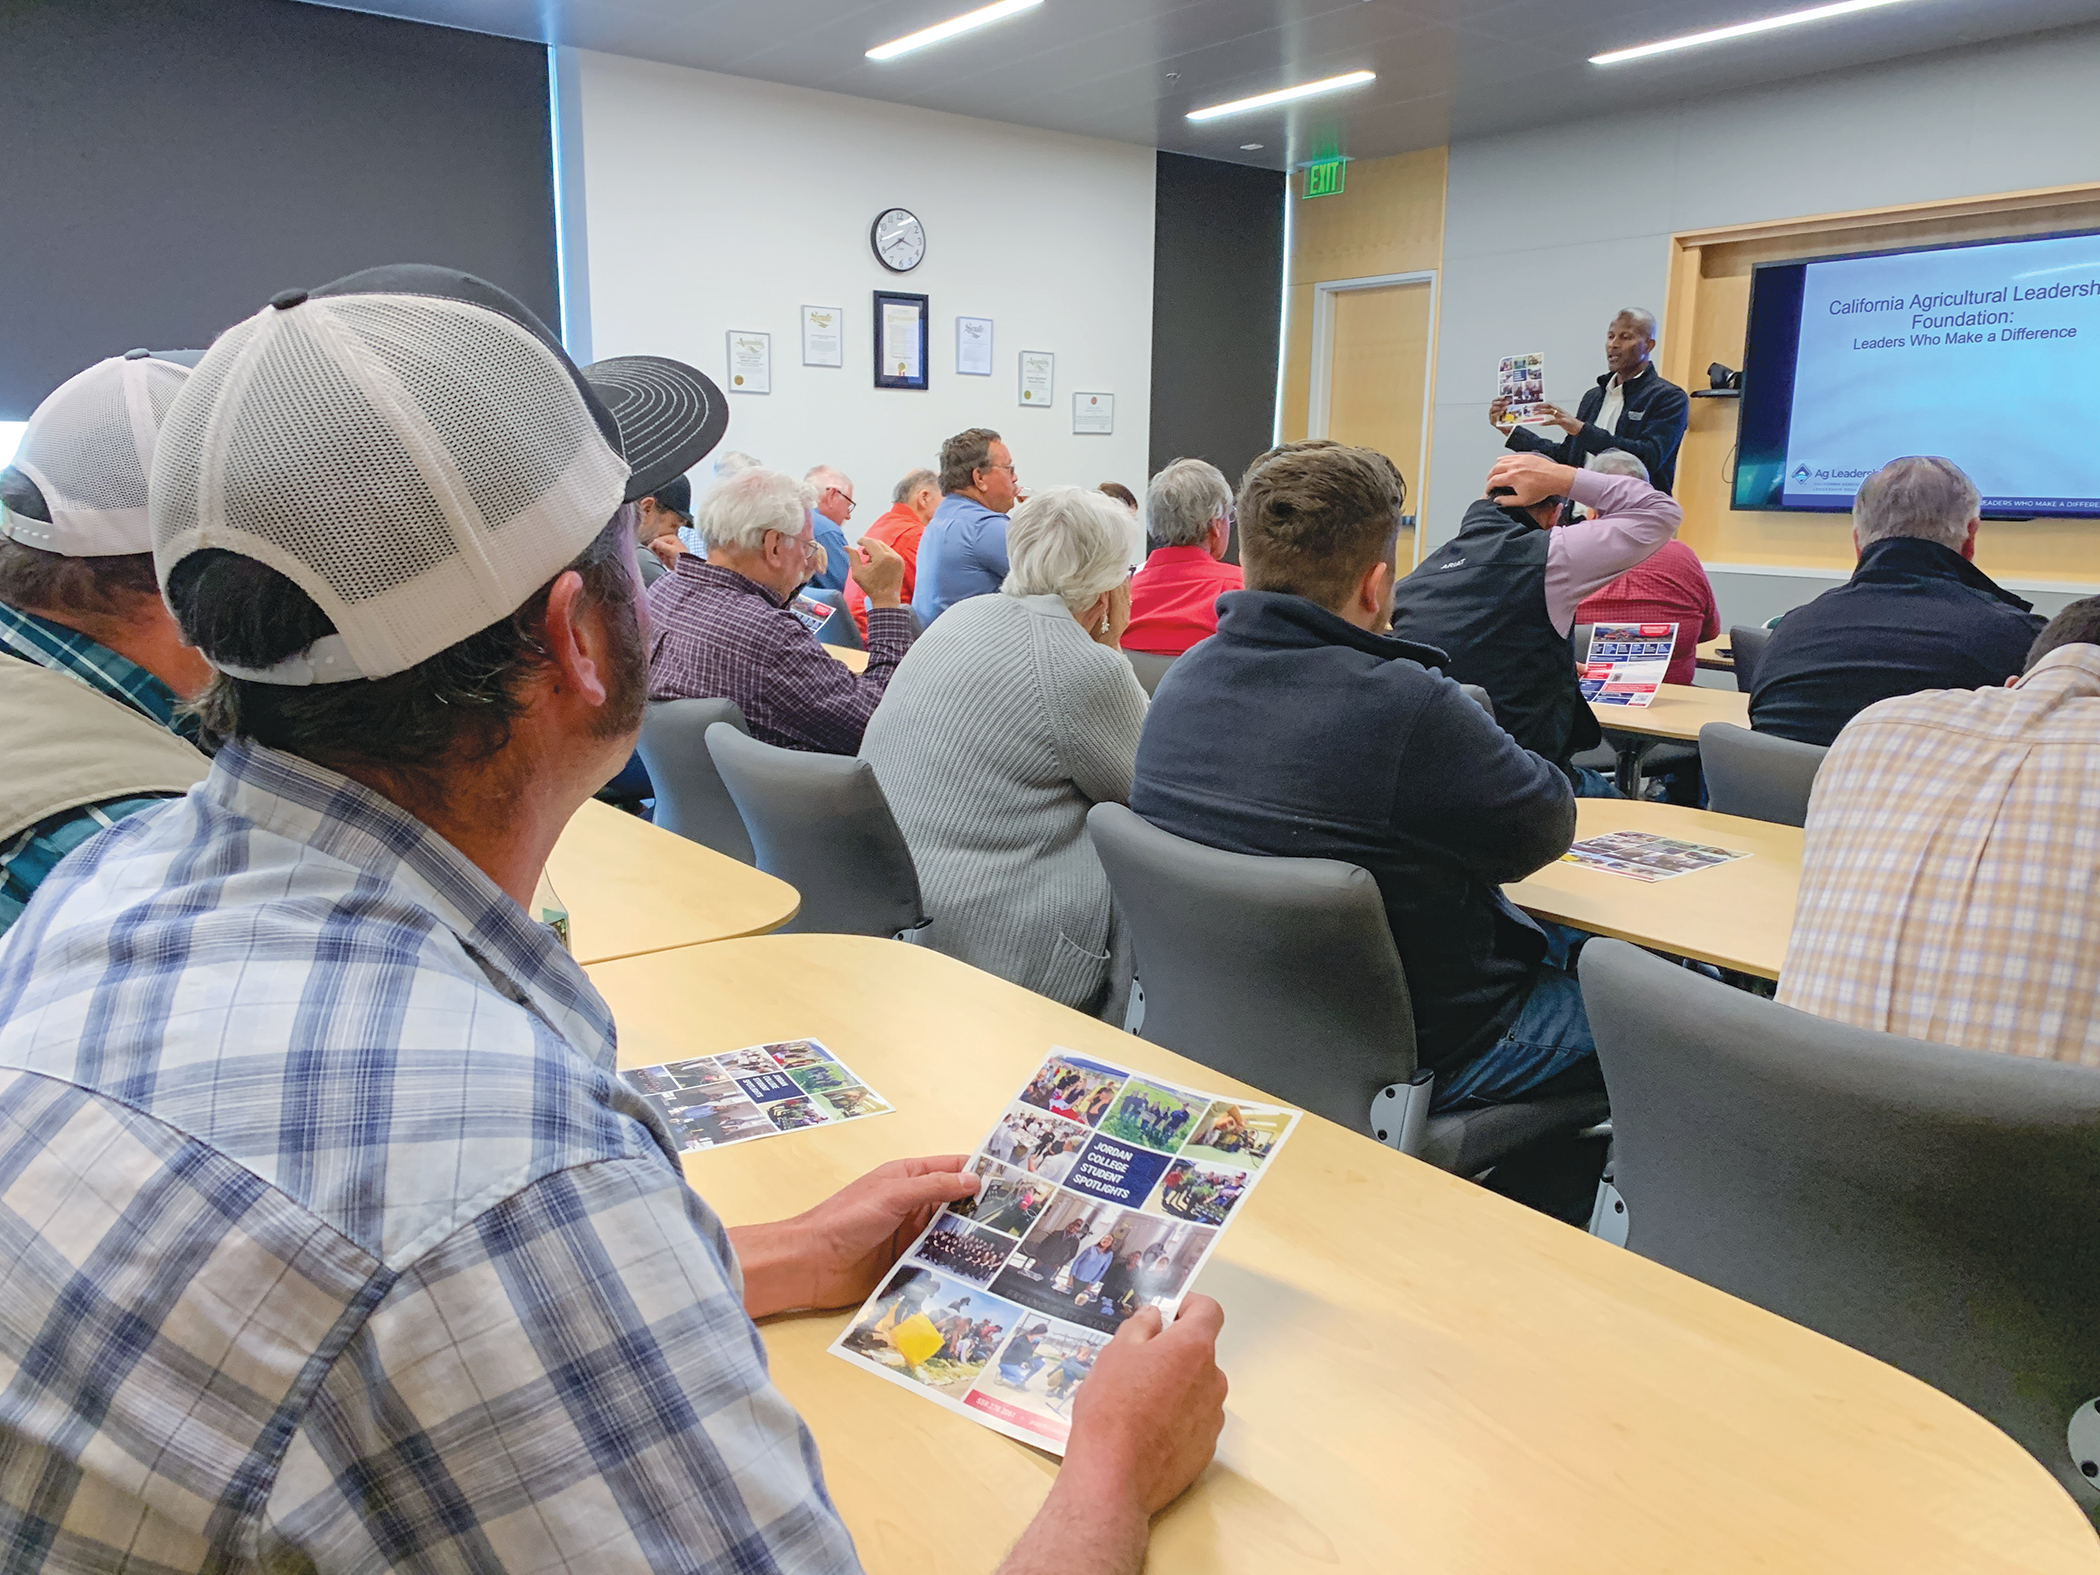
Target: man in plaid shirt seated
x=333, y=1241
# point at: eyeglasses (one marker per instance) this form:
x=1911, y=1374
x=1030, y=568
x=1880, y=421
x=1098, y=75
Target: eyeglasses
x=842, y=492
x=1008, y=468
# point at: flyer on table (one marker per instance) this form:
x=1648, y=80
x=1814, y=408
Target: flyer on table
x=1627, y=662
x=1101, y=1191
x=712, y=1101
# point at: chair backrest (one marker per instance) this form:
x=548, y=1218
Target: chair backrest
x=1928, y=1205
x=690, y=798
x=1758, y=774
x=1579, y=638
x=1280, y=972
x=839, y=628
x=1479, y=697
x=1150, y=669
x=1746, y=643
x=821, y=824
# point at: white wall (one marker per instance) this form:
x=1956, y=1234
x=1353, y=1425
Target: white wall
x=716, y=203
x=1547, y=233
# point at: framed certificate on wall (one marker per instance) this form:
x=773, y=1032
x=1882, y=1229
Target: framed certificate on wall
x=1038, y=376
x=900, y=340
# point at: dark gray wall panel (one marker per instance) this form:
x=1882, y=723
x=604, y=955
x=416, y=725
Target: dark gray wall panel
x=170, y=164
x=1217, y=290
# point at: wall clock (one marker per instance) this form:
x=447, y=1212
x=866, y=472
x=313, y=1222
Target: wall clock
x=898, y=239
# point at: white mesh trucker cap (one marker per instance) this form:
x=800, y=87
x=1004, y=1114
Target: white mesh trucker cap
x=78, y=483
x=408, y=445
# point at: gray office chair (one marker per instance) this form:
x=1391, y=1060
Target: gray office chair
x=821, y=824
x=839, y=628
x=1283, y=973
x=1757, y=774
x=1746, y=644
x=690, y=797
x=1150, y=669
x=1930, y=1206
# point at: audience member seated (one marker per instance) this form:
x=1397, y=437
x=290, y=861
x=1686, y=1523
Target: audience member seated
x=1011, y=718
x=833, y=491
x=720, y=627
x=728, y=462
x=1174, y=598
x=1670, y=587
x=1121, y=493
x=92, y=668
x=1302, y=730
x=1916, y=614
x=914, y=500
x=1499, y=598
x=963, y=552
x=370, y=1175
x=1948, y=875
x=659, y=518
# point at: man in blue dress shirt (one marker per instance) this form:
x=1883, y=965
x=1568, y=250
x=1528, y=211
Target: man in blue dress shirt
x=963, y=552
x=827, y=518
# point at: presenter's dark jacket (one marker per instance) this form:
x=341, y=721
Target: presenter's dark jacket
x=1481, y=598
x=1294, y=734
x=1915, y=615
x=1651, y=427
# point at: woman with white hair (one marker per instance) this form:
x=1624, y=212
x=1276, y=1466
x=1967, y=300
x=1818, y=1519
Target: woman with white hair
x=1008, y=719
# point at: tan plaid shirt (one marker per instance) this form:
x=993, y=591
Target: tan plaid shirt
x=1950, y=888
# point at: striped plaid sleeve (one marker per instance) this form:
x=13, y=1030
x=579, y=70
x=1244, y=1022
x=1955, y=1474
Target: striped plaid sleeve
x=569, y=1383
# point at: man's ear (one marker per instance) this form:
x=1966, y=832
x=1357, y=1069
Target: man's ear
x=1968, y=542
x=1374, y=592
x=1220, y=538
x=576, y=645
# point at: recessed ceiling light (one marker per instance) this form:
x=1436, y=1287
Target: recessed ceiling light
x=1285, y=95
x=1249, y=147
x=1739, y=30
x=935, y=34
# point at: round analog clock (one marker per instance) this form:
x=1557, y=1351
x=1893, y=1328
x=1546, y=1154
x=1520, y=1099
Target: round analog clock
x=899, y=239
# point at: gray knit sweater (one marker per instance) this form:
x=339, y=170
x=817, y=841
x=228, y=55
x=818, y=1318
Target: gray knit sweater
x=1001, y=727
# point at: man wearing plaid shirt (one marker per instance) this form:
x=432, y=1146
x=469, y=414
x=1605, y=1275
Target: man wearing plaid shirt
x=1952, y=858
x=721, y=628
x=334, y=1242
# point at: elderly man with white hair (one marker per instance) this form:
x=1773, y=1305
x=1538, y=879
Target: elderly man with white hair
x=831, y=492
x=1631, y=407
x=1174, y=598
x=721, y=628
x=1014, y=716
x=1916, y=614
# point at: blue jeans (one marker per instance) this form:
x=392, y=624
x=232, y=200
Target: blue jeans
x=1593, y=784
x=1550, y=1042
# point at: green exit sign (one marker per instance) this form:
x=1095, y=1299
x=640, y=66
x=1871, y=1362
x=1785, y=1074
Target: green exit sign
x=1325, y=178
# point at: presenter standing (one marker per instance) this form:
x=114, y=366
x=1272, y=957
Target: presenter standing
x=1630, y=408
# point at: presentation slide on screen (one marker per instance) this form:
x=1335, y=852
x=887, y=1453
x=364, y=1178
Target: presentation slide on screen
x=1985, y=354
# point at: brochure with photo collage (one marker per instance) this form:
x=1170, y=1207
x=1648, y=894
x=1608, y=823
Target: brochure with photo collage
x=1521, y=379
x=1644, y=856
x=1102, y=1191
x=759, y=1091
x=1628, y=662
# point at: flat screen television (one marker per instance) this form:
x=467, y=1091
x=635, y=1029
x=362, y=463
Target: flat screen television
x=1987, y=353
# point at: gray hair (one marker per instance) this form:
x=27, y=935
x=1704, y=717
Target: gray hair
x=922, y=477
x=740, y=510
x=730, y=461
x=1917, y=495
x=1071, y=542
x=1641, y=315
x=1182, y=501
x=1617, y=462
x=821, y=476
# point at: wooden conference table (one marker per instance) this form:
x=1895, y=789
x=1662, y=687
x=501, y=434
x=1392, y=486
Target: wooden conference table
x=1425, y=1377
x=1735, y=915
x=1715, y=655
x=857, y=660
x=631, y=887
x=1677, y=712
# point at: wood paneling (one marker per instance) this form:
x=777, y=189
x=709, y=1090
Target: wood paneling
x=1710, y=289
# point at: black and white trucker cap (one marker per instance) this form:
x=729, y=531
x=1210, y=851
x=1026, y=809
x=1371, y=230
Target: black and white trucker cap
x=409, y=445
x=77, y=486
